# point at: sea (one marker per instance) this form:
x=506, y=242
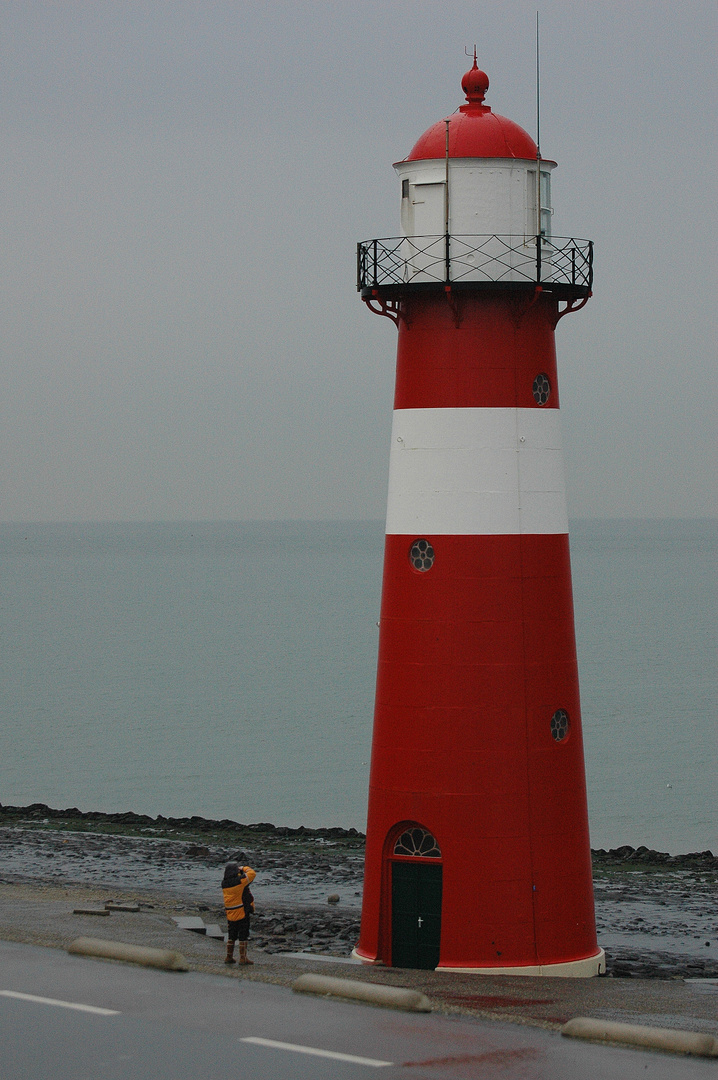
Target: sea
x=226, y=669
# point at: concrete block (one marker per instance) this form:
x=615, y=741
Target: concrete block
x=112, y=906
x=666, y=1039
x=190, y=922
x=390, y=997
x=214, y=930
x=90, y=911
x=167, y=959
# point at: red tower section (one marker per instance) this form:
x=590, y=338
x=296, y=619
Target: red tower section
x=478, y=852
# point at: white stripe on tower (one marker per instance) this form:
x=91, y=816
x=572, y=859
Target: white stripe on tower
x=476, y=471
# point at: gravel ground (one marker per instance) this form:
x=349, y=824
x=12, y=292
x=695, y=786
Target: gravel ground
x=657, y=916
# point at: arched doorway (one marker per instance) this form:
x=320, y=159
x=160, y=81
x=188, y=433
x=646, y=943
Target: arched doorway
x=416, y=884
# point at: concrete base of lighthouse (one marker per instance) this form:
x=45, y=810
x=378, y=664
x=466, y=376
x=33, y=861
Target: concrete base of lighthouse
x=573, y=969
x=587, y=968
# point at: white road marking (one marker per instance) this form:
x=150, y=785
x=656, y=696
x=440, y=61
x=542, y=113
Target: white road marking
x=373, y=1062
x=63, y=1004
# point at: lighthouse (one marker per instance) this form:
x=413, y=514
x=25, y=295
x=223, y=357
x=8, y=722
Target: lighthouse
x=477, y=852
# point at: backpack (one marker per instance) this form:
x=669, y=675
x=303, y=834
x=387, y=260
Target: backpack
x=248, y=901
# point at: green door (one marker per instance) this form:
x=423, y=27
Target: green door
x=415, y=914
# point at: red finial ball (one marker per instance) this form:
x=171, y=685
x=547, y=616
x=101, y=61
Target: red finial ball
x=475, y=83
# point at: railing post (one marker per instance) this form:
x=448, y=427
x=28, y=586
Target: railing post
x=375, y=264
x=447, y=258
x=538, y=259
x=573, y=263
x=590, y=264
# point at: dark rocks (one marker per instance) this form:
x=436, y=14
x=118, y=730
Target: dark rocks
x=635, y=964
x=316, y=931
x=194, y=824
x=649, y=857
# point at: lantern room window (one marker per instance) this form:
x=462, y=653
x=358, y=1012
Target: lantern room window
x=546, y=210
x=542, y=220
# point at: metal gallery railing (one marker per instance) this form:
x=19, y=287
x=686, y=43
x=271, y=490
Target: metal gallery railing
x=454, y=259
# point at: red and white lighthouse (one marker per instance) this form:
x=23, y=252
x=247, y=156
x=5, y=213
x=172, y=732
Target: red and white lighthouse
x=477, y=855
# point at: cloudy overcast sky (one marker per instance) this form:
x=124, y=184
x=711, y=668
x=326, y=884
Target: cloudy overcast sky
x=183, y=186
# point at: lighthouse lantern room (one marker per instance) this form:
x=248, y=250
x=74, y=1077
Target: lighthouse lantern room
x=477, y=853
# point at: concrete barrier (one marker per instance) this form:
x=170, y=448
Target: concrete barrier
x=167, y=959
x=390, y=997
x=667, y=1039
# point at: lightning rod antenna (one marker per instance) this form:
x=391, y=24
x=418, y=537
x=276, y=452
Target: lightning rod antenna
x=538, y=138
x=538, y=90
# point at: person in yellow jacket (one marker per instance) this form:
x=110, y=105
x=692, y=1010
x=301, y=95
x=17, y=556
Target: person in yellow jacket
x=238, y=904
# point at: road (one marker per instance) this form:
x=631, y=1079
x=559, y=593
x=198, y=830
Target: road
x=74, y=1018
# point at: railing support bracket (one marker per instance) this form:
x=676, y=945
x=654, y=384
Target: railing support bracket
x=453, y=303
x=391, y=309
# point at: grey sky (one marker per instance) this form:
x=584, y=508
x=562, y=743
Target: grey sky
x=182, y=190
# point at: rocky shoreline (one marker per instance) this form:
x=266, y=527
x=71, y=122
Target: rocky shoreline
x=656, y=913
x=128, y=822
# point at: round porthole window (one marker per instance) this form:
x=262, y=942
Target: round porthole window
x=541, y=389
x=421, y=555
x=560, y=725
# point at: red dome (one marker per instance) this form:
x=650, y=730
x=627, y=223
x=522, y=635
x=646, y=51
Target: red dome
x=474, y=131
